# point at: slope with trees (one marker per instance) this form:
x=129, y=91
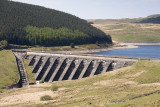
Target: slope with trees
x=15, y=17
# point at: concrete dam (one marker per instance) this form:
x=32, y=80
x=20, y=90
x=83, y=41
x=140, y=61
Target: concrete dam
x=51, y=67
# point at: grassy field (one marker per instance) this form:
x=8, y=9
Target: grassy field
x=132, y=32
x=135, y=86
x=8, y=69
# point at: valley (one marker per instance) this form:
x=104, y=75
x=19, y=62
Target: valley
x=47, y=56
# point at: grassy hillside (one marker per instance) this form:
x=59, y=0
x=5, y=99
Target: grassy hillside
x=27, y=24
x=149, y=19
x=132, y=32
x=8, y=69
x=114, y=21
x=135, y=86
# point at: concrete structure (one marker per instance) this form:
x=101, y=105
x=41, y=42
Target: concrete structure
x=57, y=67
x=23, y=77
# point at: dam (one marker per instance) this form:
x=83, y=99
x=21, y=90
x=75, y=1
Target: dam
x=51, y=67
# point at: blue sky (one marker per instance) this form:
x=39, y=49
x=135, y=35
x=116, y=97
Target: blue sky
x=102, y=9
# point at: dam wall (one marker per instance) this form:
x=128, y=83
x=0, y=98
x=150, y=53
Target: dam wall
x=51, y=67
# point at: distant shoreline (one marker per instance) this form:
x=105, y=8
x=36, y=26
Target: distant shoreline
x=98, y=50
x=140, y=43
x=121, y=46
x=126, y=46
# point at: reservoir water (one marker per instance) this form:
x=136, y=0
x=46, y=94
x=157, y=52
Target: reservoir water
x=145, y=51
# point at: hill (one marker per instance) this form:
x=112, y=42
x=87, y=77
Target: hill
x=151, y=19
x=135, y=86
x=113, y=21
x=155, y=19
x=132, y=32
x=27, y=24
x=8, y=69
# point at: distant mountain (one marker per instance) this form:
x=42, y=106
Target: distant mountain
x=27, y=24
x=149, y=19
x=153, y=16
x=111, y=21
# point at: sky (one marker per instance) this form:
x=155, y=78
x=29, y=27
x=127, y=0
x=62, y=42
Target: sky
x=102, y=9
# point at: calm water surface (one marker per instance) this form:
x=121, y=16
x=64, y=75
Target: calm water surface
x=145, y=51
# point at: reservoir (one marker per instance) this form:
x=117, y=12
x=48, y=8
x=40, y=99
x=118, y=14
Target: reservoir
x=145, y=51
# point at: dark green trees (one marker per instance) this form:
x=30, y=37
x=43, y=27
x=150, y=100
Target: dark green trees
x=16, y=17
x=51, y=37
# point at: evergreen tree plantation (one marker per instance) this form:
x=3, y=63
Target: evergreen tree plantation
x=27, y=24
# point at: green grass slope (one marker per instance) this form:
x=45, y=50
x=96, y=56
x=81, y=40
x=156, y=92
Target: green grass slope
x=135, y=86
x=8, y=69
x=132, y=32
x=130, y=87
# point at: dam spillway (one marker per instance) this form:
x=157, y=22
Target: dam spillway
x=51, y=67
